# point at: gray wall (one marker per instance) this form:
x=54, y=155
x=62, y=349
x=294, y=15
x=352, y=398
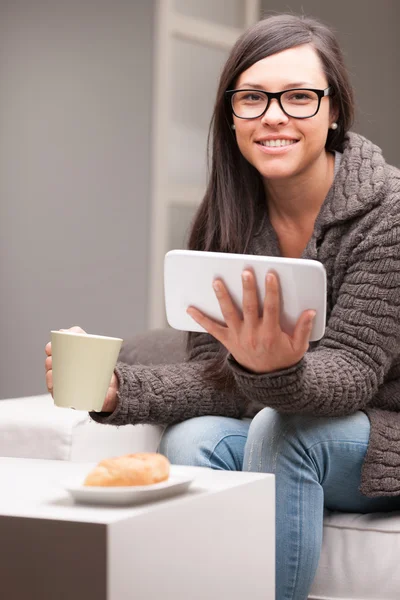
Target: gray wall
x=75, y=116
x=368, y=34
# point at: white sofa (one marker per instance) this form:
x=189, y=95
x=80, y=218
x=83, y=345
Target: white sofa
x=360, y=552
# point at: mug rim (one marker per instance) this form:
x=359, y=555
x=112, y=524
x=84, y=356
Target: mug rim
x=86, y=335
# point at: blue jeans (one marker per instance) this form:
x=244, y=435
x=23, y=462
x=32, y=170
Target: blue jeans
x=316, y=461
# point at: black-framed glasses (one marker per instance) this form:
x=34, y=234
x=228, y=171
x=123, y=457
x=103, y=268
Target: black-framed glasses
x=298, y=103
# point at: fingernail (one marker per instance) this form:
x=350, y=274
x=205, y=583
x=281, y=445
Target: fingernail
x=311, y=315
x=246, y=276
x=216, y=286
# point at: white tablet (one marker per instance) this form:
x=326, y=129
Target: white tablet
x=189, y=274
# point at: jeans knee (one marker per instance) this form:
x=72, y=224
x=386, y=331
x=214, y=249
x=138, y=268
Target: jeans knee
x=268, y=424
x=300, y=439
x=216, y=442
x=271, y=436
x=181, y=443
x=190, y=442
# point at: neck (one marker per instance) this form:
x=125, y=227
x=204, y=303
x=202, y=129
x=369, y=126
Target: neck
x=299, y=200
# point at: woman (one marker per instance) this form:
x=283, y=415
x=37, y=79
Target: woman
x=288, y=179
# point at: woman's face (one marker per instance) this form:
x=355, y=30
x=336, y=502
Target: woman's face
x=298, y=67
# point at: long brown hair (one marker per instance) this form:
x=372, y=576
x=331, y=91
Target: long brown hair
x=230, y=210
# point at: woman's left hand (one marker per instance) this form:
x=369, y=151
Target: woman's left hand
x=257, y=342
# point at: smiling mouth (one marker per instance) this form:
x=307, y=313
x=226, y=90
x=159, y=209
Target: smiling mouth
x=277, y=143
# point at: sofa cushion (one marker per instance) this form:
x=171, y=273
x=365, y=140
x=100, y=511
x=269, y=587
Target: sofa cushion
x=359, y=559
x=93, y=441
x=154, y=347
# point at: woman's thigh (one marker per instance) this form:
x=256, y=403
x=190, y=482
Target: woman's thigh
x=330, y=452
x=216, y=442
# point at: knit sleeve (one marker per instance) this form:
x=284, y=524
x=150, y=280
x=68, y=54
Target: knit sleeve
x=165, y=394
x=362, y=337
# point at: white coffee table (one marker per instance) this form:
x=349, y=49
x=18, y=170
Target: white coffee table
x=215, y=541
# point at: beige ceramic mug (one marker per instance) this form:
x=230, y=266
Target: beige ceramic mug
x=82, y=368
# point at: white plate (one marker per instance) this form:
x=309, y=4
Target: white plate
x=129, y=494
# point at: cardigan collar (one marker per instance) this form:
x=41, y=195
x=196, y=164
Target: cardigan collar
x=359, y=184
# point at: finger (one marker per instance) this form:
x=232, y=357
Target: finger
x=251, y=307
x=272, y=301
x=212, y=327
x=74, y=329
x=111, y=400
x=228, y=309
x=48, y=363
x=49, y=381
x=302, y=331
x=48, y=349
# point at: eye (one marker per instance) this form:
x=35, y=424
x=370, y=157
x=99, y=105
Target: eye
x=252, y=97
x=249, y=97
x=299, y=97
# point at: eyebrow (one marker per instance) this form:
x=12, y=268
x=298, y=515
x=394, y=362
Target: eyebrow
x=258, y=86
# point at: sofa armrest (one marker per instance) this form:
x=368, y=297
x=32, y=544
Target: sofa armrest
x=33, y=427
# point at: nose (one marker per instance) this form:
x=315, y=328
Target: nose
x=274, y=115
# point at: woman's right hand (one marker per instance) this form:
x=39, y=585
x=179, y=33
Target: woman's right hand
x=111, y=399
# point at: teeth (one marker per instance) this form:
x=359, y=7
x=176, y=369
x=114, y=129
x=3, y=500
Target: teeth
x=273, y=143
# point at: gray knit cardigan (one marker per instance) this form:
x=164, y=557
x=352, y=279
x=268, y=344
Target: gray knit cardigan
x=356, y=365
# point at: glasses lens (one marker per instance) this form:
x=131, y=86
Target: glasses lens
x=296, y=103
x=249, y=104
x=300, y=103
